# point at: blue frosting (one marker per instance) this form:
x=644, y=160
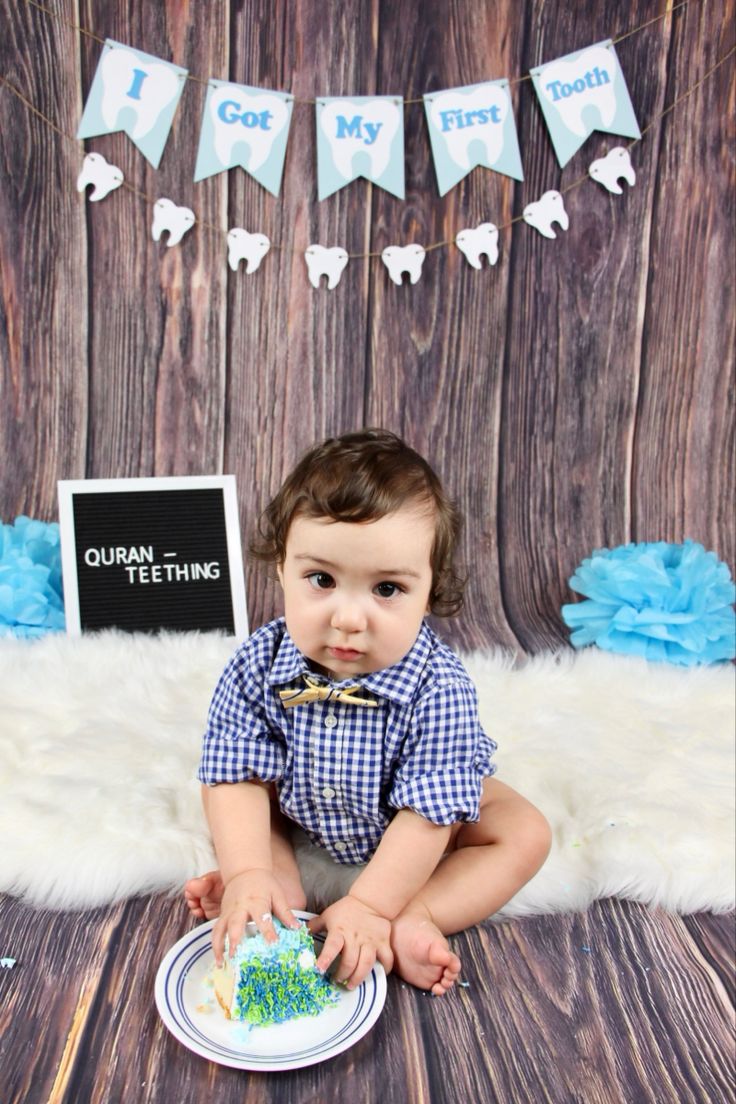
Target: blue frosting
x=279, y=981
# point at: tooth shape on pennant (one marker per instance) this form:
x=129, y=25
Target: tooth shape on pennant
x=168, y=217
x=541, y=214
x=236, y=105
x=160, y=86
x=242, y=246
x=381, y=113
x=570, y=87
x=475, y=243
x=610, y=169
x=325, y=262
x=466, y=117
x=400, y=259
x=105, y=177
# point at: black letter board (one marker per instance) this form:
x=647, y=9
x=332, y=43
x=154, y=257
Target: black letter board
x=149, y=554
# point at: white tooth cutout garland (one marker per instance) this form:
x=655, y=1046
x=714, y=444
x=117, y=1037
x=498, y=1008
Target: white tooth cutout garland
x=541, y=214
x=325, y=262
x=479, y=242
x=167, y=217
x=242, y=246
x=400, y=259
x=99, y=172
x=610, y=169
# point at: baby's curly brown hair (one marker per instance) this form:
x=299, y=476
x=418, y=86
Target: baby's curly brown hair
x=363, y=476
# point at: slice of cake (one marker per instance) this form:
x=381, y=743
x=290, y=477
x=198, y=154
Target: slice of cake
x=268, y=983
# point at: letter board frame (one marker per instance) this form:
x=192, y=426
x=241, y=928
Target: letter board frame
x=152, y=554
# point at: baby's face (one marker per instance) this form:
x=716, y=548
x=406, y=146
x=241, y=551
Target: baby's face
x=355, y=593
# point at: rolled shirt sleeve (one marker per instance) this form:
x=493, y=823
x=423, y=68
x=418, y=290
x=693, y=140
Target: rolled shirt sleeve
x=240, y=743
x=446, y=757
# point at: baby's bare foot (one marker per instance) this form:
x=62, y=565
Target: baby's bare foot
x=422, y=955
x=203, y=895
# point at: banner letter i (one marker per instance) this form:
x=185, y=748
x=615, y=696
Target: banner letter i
x=134, y=92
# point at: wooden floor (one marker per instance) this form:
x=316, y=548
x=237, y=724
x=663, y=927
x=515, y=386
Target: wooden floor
x=620, y=1004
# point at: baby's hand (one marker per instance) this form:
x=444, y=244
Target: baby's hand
x=251, y=895
x=358, y=934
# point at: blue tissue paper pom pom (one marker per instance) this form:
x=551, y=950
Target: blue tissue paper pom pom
x=671, y=602
x=31, y=596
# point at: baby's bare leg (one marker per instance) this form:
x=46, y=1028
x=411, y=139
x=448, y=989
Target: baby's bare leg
x=488, y=863
x=204, y=894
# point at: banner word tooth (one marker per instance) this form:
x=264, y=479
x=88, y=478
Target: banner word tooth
x=325, y=262
x=400, y=259
x=167, y=217
x=99, y=172
x=541, y=214
x=482, y=241
x=242, y=246
x=583, y=92
x=613, y=167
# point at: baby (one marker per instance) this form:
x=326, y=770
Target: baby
x=348, y=717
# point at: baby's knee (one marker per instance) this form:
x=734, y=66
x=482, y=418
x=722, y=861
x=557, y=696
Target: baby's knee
x=535, y=838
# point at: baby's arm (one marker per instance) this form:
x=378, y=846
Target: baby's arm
x=239, y=817
x=358, y=926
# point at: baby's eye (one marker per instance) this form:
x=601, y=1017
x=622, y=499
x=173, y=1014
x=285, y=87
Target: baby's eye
x=387, y=590
x=320, y=580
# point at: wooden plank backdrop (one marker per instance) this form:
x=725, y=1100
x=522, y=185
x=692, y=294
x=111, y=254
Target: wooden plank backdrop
x=577, y=395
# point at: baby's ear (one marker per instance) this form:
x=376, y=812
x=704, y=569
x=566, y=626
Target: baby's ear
x=280, y=574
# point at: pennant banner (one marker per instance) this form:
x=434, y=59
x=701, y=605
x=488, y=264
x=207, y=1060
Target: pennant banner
x=471, y=126
x=583, y=92
x=136, y=93
x=244, y=126
x=362, y=136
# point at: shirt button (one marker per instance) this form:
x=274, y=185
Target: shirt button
x=328, y=792
x=330, y=720
x=340, y=846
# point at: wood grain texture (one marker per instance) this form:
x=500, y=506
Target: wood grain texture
x=44, y=319
x=576, y=395
x=616, y=1005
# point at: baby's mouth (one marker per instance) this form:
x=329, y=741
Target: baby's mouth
x=344, y=653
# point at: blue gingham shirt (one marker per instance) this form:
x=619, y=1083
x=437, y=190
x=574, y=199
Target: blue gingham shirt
x=342, y=771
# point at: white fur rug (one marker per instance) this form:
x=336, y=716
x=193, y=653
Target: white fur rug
x=632, y=763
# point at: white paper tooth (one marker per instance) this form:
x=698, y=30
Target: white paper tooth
x=599, y=66
x=168, y=217
x=400, y=259
x=610, y=169
x=160, y=86
x=105, y=177
x=372, y=134
x=242, y=246
x=260, y=137
x=541, y=214
x=483, y=240
x=325, y=262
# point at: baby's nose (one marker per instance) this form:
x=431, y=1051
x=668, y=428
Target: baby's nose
x=349, y=617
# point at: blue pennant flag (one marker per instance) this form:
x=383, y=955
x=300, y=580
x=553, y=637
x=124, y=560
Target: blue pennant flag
x=244, y=126
x=472, y=126
x=136, y=93
x=583, y=92
x=362, y=136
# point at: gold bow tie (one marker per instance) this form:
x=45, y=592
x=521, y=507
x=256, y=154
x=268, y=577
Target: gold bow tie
x=318, y=691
